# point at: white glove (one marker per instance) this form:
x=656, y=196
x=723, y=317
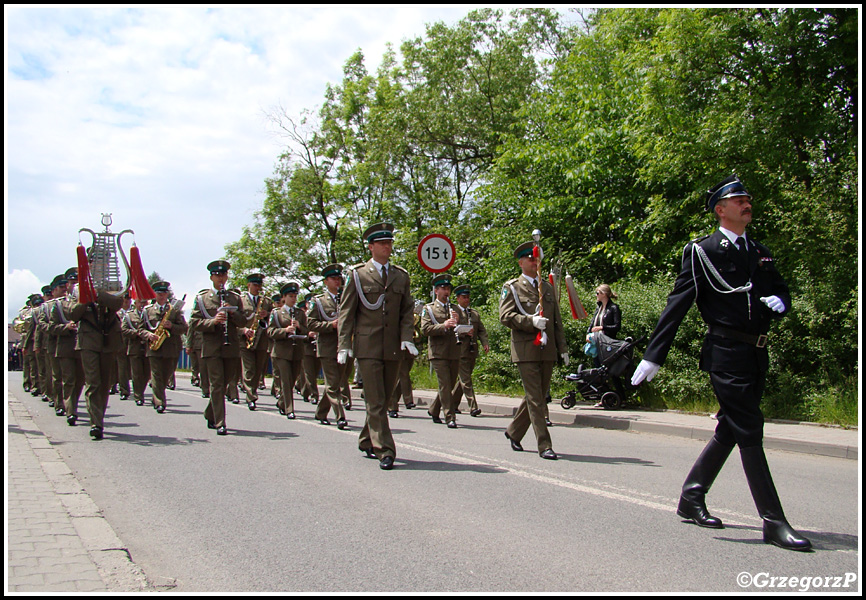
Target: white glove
x=645, y=370
x=564, y=356
x=343, y=356
x=539, y=323
x=409, y=347
x=774, y=302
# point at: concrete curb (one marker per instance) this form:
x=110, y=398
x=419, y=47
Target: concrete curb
x=804, y=438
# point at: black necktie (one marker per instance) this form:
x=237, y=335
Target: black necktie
x=744, y=252
x=385, y=275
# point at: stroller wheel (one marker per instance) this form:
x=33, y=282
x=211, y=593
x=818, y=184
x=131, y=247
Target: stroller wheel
x=568, y=401
x=611, y=400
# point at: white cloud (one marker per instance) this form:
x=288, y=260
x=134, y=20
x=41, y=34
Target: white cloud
x=19, y=285
x=156, y=114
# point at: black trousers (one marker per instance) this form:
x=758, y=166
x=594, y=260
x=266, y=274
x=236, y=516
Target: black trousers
x=741, y=421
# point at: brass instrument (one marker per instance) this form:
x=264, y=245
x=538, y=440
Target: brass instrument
x=252, y=341
x=161, y=332
x=22, y=322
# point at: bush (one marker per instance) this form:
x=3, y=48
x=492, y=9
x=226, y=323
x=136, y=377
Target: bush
x=805, y=381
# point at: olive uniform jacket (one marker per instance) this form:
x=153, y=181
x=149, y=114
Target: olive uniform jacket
x=29, y=336
x=98, y=325
x=442, y=342
x=59, y=317
x=376, y=332
x=213, y=334
x=153, y=315
x=740, y=311
x=288, y=346
x=470, y=316
x=130, y=327
x=323, y=312
x=264, y=305
x=518, y=303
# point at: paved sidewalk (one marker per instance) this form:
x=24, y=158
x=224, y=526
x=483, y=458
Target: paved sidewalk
x=57, y=539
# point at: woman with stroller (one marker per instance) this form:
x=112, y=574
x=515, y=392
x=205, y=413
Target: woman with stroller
x=607, y=320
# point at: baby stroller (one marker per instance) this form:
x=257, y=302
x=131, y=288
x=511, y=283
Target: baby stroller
x=595, y=385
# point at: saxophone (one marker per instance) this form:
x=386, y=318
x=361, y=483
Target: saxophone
x=258, y=317
x=161, y=332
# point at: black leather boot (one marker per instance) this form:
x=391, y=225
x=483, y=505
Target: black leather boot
x=692, y=500
x=777, y=531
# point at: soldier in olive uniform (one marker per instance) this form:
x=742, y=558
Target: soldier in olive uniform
x=53, y=373
x=28, y=339
x=98, y=340
x=218, y=315
x=254, y=340
x=322, y=317
x=66, y=330
x=471, y=341
x=375, y=325
x=288, y=329
x=277, y=299
x=404, y=382
x=308, y=385
x=163, y=360
x=123, y=371
x=194, y=342
x=40, y=344
x=528, y=307
x=131, y=327
x=438, y=321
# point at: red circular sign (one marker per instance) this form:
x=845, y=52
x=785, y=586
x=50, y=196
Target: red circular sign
x=436, y=253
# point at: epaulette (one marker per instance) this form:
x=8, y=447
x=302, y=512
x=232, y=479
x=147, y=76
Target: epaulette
x=400, y=268
x=356, y=267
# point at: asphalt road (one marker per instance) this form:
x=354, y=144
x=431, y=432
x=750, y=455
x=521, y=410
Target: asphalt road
x=281, y=505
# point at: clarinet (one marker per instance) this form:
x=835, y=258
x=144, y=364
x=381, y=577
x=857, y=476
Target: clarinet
x=222, y=296
x=449, y=310
x=292, y=317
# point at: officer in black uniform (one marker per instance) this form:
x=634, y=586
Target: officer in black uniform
x=739, y=292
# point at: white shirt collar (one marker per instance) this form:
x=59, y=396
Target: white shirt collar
x=531, y=280
x=732, y=236
x=378, y=266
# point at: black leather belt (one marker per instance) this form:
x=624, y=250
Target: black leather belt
x=759, y=341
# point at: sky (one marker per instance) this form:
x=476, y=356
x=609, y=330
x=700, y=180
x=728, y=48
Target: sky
x=157, y=115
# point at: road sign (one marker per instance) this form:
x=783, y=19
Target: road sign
x=436, y=253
